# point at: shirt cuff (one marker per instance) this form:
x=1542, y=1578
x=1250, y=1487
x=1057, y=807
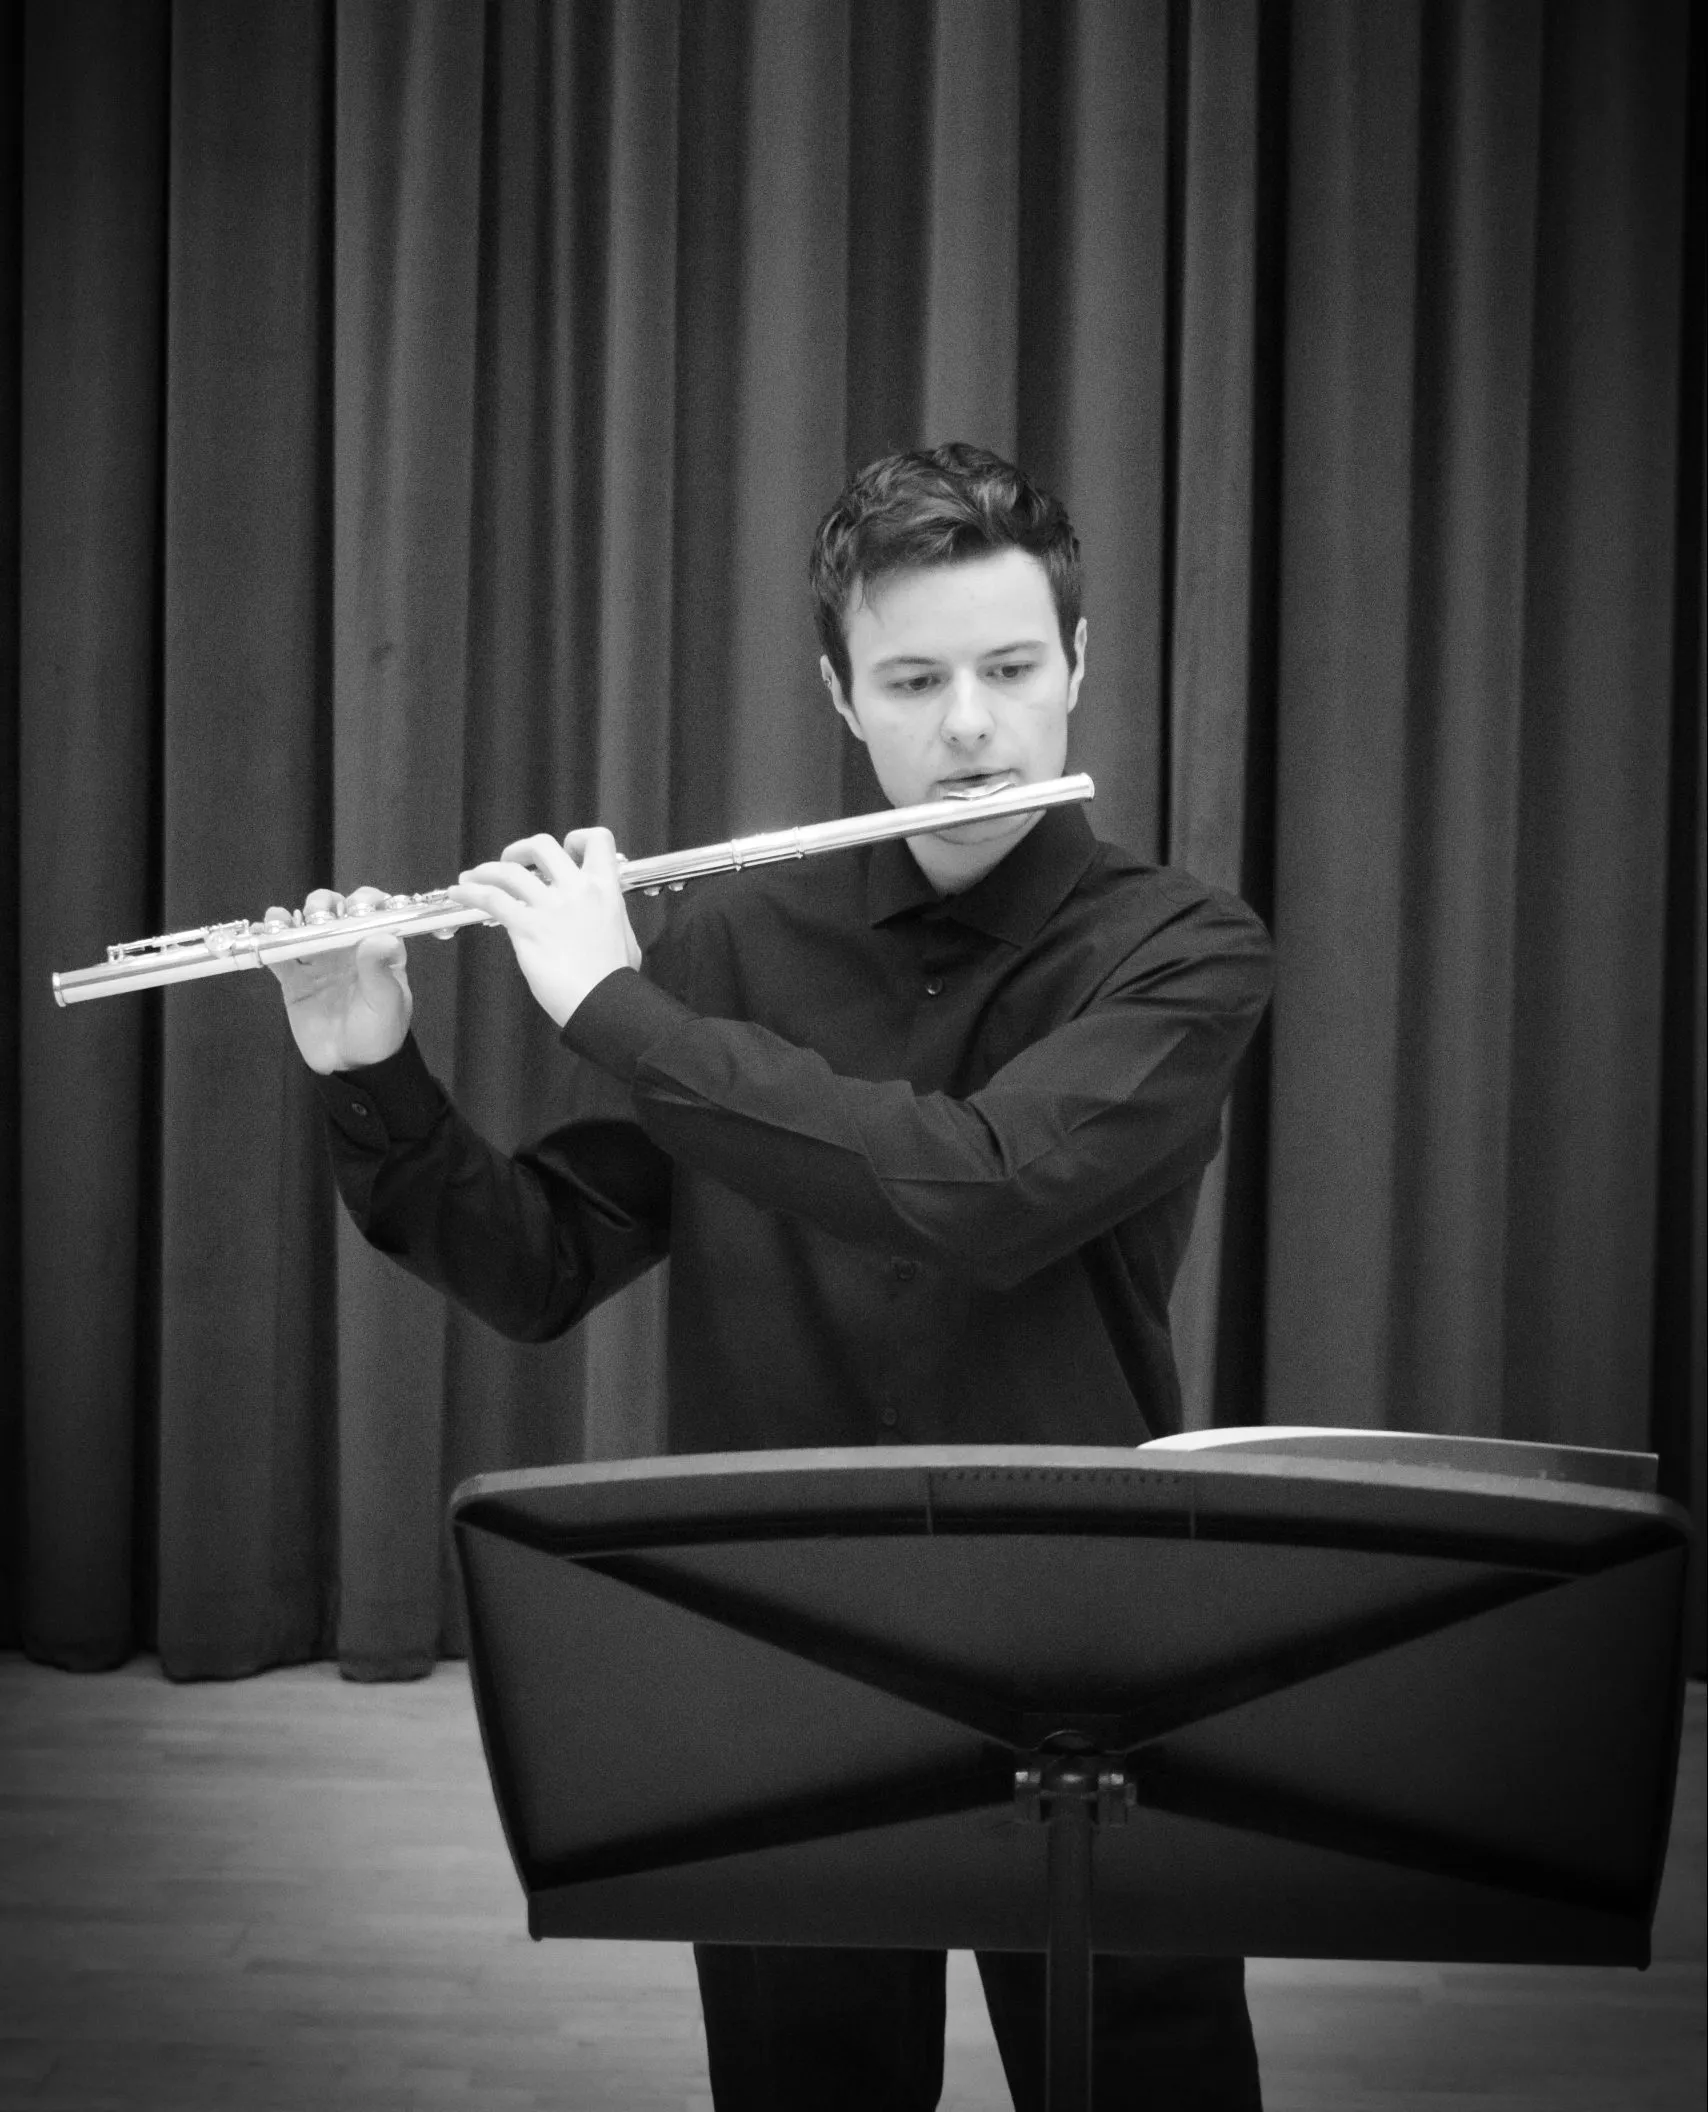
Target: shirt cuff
x=398, y=1101
x=619, y=1020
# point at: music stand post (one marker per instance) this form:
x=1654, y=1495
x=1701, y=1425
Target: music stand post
x=1072, y=1792
x=1308, y=1694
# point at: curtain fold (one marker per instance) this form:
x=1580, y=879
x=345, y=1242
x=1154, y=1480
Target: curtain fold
x=779, y=737
x=971, y=320
x=423, y=412
x=1476, y=274
x=1096, y=417
x=11, y=1077
x=244, y=1492
x=531, y=727
x=91, y=325
x=1596, y=733
x=407, y=185
x=1220, y=179
x=1347, y=504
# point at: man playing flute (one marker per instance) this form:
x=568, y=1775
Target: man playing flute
x=921, y=1127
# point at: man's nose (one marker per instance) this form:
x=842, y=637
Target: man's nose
x=967, y=715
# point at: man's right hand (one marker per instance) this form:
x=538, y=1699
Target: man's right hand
x=350, y=1005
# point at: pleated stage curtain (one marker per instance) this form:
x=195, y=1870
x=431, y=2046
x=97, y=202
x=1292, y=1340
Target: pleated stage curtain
x=416, y=418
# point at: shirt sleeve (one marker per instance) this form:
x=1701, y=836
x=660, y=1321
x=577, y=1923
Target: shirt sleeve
x=530, y=1243
x=1112, y=1109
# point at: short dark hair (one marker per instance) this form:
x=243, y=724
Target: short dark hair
x=940, y=507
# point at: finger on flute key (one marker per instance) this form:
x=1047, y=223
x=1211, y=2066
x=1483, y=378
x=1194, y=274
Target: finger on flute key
x=593, y=850
x=323, y=906
x=325, y=903
x=543, y=853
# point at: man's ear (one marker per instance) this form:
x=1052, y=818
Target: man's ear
x=845, y=710
x=1078, y=674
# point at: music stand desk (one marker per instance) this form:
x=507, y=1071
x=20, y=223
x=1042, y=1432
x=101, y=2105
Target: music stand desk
x=1336, y=1694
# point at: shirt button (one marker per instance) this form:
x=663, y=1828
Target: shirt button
x=359, y=1107
x=903, y=1270
x=934, y=988
x=888, y=1418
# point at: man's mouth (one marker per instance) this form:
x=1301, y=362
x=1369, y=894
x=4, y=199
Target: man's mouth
x=976, y=784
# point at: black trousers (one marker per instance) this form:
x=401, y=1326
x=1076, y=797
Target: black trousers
x=862, y=2031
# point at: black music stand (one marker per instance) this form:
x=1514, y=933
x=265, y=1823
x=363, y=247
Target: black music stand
x=1334, y=1694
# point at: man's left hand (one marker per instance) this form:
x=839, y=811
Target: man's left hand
x=562, y=904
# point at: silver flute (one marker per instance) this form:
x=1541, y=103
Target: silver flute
x=223, y=949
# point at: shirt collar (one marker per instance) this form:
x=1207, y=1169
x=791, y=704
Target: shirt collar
x=1015, y=898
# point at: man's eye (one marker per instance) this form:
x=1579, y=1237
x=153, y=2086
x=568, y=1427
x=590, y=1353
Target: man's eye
x=1013, y=670
x=913, y=685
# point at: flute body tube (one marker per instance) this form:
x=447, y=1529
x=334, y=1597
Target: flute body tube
x=226, y=949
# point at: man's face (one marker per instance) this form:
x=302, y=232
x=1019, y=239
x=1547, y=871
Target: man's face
x=960, y=684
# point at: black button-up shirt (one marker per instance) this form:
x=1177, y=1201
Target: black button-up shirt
x=925, y=1167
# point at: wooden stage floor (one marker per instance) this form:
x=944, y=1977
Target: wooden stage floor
x=289, y=1892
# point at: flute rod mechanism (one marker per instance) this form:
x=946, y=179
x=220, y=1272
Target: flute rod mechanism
x=224, y=949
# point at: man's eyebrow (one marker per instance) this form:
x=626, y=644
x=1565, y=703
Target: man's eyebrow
x=995, y=652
